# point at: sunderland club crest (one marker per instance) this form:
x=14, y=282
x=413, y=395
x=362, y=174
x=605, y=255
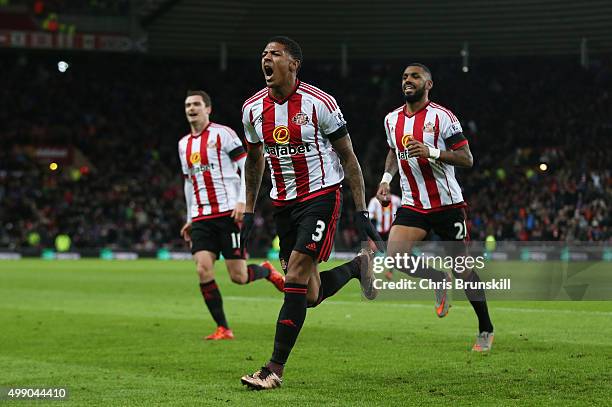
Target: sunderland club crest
x=429, y=127
x=300, y=119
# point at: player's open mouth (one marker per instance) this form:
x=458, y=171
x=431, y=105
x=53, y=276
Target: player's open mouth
x=268, y=72
x=409, y=87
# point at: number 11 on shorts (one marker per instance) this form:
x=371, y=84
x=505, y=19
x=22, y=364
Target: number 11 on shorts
x=235, y=240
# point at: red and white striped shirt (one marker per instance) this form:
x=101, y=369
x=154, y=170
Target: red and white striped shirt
x=384, y=215
x=209, y=160
x=295, y=134
x=427, y=185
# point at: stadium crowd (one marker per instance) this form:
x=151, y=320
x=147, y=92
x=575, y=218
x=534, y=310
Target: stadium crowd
x=123, y=115
x=83, y=7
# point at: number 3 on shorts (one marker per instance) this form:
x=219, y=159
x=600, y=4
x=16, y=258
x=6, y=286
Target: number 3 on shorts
x=461, y=230
x=318, y=234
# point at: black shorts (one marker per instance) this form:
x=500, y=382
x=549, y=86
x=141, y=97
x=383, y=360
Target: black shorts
x=216, y=235
x=449, y=224
x=308, y=227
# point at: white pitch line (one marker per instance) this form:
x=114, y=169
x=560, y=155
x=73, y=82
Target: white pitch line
x=408, y=305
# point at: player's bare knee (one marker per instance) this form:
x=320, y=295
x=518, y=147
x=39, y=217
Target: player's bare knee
x=238, y=278
x=392, y=251
x=299, y=268
x=237, y=270
x=398, y=248
x=296, y=276
x=205, y=271
x=205, y=264
x=312, y=298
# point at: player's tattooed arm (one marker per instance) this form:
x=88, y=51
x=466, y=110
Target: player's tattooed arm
x=462, y=157
x=238, y=212
x=391, y=163
x=383, y=194
x=352, y=171
x=253, y=171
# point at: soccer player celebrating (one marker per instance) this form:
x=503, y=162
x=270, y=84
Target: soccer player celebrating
x=215, y=195
x=300, y=132
x=426, y=143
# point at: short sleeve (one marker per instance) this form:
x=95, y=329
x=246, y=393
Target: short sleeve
x=183, y=160
x=232, y=145
x=451, y=131
x=389, y=133
x=331, y=119
x=249, y=128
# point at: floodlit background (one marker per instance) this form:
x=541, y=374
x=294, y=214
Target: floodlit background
x=91, y=110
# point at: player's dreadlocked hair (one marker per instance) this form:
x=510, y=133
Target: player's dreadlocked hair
x=293, y=47
x=423, y=67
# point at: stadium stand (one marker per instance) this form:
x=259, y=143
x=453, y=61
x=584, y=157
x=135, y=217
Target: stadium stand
x=121, y=118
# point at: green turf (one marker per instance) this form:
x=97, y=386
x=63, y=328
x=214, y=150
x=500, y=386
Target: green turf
x=129, y=333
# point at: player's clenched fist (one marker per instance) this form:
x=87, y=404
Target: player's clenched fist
x=417, y=149
x=384, y=194
x=238, y=212
x=247, y=226
x=186, y=231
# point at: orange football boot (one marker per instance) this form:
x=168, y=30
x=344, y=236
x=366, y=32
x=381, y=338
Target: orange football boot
x=274, y=277
x=220, y=333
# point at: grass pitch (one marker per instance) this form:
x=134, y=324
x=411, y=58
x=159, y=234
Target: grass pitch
x=129, y=333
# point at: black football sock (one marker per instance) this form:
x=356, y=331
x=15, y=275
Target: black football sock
x=482, y=312
x=276, y=368
x=255, y=272
x=425, y=273
x=290, y=321
x=333, y=280
x=479, y=303
x=428, y=273
x=214, y=302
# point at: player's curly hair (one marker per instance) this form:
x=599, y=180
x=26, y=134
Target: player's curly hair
x=292, y=46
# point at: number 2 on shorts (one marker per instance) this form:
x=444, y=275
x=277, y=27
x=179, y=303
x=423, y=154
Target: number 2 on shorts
x=462, y=230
